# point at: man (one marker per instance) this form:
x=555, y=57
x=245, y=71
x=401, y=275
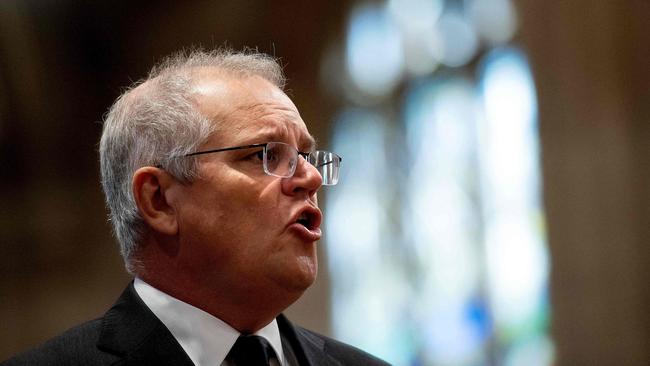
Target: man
x=211, y=176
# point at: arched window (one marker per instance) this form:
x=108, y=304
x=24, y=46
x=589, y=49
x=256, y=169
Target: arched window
x=435, y=234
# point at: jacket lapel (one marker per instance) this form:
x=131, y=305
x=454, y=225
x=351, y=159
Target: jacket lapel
x=131, y=331
x=309, y=349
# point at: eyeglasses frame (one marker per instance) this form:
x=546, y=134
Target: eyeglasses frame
x=305, y=155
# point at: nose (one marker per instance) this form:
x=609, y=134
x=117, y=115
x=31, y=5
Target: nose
x=306, y=179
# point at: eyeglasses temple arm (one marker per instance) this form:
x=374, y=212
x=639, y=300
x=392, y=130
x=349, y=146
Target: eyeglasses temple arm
x=225, y=149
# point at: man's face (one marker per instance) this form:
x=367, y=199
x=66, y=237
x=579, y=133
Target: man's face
x=238, y=227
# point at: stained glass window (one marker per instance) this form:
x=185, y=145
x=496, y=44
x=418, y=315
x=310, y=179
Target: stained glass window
x=435, y=234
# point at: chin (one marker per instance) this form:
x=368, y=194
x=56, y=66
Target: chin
x=301, y=276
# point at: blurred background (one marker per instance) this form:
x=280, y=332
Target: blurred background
x=494, y=207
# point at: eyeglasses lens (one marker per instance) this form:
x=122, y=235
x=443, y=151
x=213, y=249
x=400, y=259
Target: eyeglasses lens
x=280, y=159
x=327, y=164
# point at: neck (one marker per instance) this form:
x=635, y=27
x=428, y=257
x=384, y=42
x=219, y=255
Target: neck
x=245, y=311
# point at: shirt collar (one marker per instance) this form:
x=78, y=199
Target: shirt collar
x=205, y=338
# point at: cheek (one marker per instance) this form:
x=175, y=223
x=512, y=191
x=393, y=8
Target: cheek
x=239, y=213
x=240, y=208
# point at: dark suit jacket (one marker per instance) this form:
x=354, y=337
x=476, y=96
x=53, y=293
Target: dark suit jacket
x=130, y=334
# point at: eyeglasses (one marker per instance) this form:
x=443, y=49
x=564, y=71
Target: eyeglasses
x=280, y=160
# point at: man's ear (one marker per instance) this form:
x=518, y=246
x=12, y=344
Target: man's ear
x=150, y=186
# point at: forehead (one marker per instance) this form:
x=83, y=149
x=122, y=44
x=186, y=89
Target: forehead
x=250, y=110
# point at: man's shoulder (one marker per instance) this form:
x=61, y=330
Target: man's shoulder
x=342, y=352
x=76, y=346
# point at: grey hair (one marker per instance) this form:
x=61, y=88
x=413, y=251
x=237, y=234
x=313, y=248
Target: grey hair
x=154, y=122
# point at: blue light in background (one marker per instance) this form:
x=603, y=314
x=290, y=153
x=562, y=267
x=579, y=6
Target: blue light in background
x=456, y=41
x=367, y=284
x=417, y=20
x=440, y=216
x=494, y=20
x=516, y=256
x=435, y=235
x=374, y=55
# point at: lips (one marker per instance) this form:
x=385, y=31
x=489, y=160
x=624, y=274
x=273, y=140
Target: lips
x=306, y=223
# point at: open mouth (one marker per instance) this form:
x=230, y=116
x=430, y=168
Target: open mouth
x=305, y=223
x=307, y=220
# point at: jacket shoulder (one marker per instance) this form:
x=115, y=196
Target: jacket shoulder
x=76, y=346
x=344, y=353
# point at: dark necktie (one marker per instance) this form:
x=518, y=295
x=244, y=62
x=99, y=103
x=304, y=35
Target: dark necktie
x=251, y=350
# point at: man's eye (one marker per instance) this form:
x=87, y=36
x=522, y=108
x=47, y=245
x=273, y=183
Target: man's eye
x=271, y=155
x=256, y=156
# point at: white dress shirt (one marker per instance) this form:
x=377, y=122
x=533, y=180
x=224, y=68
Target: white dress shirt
x=205, y=338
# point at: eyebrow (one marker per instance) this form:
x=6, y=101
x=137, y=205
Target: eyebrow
x=308, y=141
x=311, y=143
